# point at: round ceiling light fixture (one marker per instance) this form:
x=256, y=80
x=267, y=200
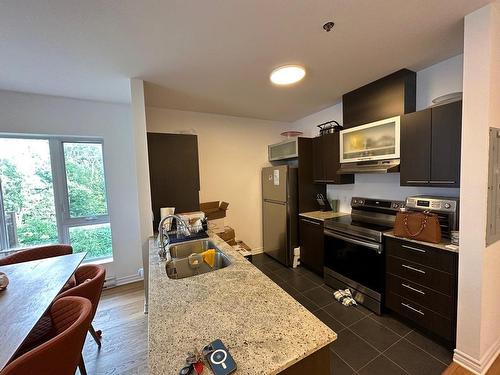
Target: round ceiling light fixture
x=287, y=74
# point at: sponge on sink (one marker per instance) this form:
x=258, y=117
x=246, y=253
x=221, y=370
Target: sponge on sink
x=209, y=257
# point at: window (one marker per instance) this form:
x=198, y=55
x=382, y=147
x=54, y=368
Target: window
x=38, y=175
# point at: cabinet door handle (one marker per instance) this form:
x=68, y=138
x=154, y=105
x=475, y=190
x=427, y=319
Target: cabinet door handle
x=310, y=222
x=442, y=182
x=413, y=309
x=417, y=181
x=413, y=269
x=414, y=248
x=414, y=289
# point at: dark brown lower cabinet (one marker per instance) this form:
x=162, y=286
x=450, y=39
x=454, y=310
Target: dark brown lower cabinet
x=421, y=286
x=312, y=251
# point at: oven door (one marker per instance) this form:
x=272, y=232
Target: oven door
x=359, y=261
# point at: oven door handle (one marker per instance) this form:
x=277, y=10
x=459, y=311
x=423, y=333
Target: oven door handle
x=373, y=246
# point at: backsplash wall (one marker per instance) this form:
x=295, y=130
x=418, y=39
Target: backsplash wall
x=383, y=186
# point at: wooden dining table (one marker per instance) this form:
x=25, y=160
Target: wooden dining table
x=32, y=288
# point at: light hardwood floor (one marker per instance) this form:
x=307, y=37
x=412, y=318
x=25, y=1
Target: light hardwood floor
x=124, y=328
x=455, y=369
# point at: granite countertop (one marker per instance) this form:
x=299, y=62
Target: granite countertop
x=322, y=215
x=265, y=329
x=445, y=244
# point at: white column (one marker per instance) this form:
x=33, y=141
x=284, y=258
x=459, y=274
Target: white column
x=478, y=330
x=142, y=171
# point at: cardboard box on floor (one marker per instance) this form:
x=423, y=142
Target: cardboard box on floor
x=243, y=249
x=227, y=234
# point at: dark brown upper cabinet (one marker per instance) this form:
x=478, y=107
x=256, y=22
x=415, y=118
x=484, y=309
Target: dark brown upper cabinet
x=430, y=146
x=390, y=96
x=326, y=160
x=308, y=190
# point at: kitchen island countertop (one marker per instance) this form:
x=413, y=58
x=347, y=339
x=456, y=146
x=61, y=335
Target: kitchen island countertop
x=264, y=328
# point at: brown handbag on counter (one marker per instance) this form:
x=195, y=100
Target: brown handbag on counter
x=420, y=226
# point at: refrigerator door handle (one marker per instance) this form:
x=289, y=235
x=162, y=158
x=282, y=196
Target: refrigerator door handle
x=275, y=202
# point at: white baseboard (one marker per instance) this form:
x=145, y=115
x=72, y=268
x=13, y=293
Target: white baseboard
x=128, y=279
x=478, y=367
x=258, y=250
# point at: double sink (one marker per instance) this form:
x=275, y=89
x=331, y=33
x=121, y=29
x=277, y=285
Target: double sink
x=180, y=267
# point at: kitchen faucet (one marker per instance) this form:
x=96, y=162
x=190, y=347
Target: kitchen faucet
x=163, y=237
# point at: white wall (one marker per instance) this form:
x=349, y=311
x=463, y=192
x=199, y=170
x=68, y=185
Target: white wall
x=232, y=152
x=439, y=79
x=46, y=115
x=436, y=80
x=478, y=334
x=383, y=186
x=138, y=109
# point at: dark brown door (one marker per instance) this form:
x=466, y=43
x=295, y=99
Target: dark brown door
x=446, y=139
x=318, y=160
x=312, y=251
x=173, y=172
x=416, y=148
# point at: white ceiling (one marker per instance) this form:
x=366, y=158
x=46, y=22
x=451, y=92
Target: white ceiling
x=216, y=55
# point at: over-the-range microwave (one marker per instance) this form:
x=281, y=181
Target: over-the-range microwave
x=377, y=140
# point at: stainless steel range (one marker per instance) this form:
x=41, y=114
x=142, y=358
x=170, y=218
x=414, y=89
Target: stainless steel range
x=354, y=254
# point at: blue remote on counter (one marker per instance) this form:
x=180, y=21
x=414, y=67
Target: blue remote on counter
x=219, y=358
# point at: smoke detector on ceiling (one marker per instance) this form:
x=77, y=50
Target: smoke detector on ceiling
x=328, y=26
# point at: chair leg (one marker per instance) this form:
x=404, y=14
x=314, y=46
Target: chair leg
x=96, y=335
x=81, y=366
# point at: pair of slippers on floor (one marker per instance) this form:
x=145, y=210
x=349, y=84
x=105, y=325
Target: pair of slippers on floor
x=344, y=297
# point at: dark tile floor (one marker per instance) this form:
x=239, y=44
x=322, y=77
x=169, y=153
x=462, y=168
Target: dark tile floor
x=367, y=344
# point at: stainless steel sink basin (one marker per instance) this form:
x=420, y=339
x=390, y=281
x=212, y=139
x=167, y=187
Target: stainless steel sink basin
x=179, y=267
x=185, y=249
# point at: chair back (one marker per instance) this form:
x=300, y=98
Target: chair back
x=36, y=253
x=89, y=284
x=61, y=354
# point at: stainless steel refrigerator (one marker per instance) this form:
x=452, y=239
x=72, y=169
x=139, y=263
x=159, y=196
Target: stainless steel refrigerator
x=279, y=212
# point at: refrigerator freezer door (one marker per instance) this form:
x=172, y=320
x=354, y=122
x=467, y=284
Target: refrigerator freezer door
x=274, y=183
x=275, y=230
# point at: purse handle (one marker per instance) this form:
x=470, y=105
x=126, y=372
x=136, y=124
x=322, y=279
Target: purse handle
x=422, y=226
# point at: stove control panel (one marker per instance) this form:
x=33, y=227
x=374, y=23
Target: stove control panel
x=423, y=203
x=386, y=204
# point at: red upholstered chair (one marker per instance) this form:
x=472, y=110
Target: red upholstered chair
x=61, y=354
x=36, y=253
x=89, y=284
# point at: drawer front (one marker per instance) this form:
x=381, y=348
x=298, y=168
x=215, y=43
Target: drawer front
x=428, y=298
x=439, y=259
x=421, y=316
x=417, y=273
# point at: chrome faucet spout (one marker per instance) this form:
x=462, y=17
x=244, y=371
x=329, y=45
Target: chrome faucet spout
x=163, y=237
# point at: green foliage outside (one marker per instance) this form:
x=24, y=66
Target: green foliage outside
x=96, y=240
x=31, y=198
x=85, y=173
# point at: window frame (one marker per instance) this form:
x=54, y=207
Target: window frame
x=64, y=221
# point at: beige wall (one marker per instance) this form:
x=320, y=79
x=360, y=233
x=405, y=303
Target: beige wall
x=232, y=151
x=478, y=329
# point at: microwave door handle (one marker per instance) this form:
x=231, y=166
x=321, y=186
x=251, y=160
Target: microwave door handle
x=354, y=241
